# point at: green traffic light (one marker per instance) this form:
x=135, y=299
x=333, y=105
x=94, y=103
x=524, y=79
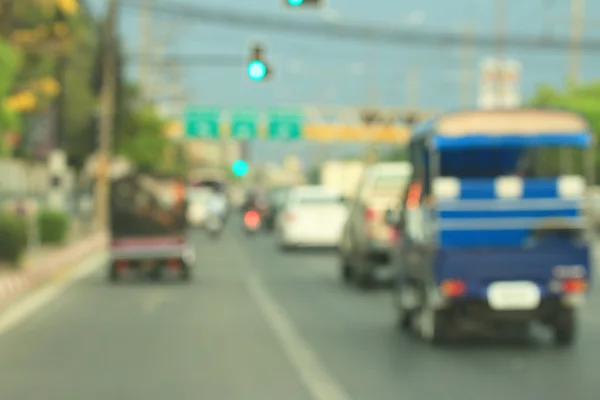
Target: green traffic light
x=295, y=3
x=240, y=168
x=257, y=70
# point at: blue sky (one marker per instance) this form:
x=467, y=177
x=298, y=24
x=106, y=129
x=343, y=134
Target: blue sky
x=312, y=70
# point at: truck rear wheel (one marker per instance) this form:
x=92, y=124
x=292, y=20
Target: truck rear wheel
x=113, y=273
x=186, y=274
x=565, y=327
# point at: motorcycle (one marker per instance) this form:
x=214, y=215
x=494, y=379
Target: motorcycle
x=252, y=221
x=214, y=225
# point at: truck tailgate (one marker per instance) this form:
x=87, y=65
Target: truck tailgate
x=148, y=247
x=480, y=267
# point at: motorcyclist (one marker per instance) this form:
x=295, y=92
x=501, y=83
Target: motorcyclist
x=250, y=202
x=217, y=205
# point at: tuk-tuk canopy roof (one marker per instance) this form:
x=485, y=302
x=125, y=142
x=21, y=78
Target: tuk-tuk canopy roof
x=524, y=127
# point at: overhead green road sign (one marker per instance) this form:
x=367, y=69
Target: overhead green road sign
x=202, y=123
x=285, y=125
x=244, y=125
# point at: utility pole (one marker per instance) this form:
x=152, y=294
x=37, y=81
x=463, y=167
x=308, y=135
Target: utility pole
x=501, y=27
x=145, y=44
x=107, y=111
x=577, y=19
x=466, y=72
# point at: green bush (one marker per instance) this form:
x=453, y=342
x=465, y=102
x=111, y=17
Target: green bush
x=53, y=226
x=13, y=238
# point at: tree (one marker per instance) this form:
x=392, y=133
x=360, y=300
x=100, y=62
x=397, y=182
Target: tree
x=9, y=60
x=46, y=31
x=582, y=99
x=145, y=144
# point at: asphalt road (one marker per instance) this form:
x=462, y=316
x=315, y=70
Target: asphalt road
x=256, y=324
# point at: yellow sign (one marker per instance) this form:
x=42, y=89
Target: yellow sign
x=69, y=7
x=173, y=129
x=48, y=86
x=356, y=133
x=25, y=101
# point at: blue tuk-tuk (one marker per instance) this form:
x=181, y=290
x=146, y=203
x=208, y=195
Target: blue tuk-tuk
x=491, y=230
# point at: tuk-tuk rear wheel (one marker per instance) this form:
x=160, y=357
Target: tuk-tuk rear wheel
x=564, y=327
x=113, y=273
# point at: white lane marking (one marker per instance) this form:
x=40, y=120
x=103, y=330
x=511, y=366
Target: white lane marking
x=153, y=301
x=318, y=382
x=16, y=314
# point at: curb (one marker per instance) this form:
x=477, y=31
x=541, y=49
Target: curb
x=15, y=284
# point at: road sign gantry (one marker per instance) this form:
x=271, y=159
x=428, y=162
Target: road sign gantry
x=283, y=125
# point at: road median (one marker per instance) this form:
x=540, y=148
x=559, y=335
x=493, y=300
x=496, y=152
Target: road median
x=46, y=265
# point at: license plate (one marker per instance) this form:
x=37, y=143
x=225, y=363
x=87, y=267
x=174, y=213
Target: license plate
x=513, y=295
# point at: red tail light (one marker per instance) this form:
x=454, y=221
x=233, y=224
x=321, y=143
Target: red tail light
x=122, y=265
x=370, y=214
x=574, y=286
x=453, y=288
x=393, y=235
x=251, y=218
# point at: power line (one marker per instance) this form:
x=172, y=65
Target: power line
x=355, y=31
x=218, y=60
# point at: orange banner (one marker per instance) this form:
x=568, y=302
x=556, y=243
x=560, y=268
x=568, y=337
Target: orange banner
x=356, y=133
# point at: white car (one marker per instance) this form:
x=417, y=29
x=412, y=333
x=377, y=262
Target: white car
x=197, y=206
x=313, y=216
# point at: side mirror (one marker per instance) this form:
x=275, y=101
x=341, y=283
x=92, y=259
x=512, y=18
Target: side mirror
x=392, y=217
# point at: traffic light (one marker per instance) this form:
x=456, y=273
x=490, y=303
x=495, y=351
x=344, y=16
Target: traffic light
x=303, y=3
x=258, y=68
x=411, y=118
x=240, y=168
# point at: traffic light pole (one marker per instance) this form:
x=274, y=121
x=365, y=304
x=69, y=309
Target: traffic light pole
x=107, y=111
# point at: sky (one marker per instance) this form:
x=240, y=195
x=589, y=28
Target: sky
x=311, y=70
